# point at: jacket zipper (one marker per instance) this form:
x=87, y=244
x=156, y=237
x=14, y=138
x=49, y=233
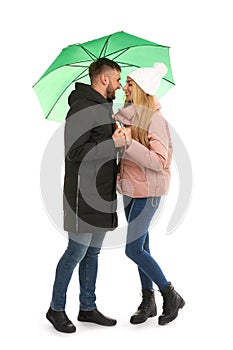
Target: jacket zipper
x=76, y=218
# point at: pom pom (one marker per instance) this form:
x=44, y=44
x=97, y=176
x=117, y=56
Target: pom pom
x=160, y=69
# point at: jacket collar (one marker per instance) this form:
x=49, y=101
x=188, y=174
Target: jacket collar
x=126, y=114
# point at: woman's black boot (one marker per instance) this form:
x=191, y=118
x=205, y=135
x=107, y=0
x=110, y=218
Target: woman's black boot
x=146, y=309
x=172, y=302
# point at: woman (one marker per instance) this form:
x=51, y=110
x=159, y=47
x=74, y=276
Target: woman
x=143, y=178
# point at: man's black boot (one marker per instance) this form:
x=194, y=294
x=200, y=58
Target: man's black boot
x=60, y=321
x=95, y=316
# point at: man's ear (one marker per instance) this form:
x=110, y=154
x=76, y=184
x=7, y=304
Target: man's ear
x=104, y=79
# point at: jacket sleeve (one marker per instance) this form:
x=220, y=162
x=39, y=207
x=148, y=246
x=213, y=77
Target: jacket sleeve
x=156, y=157
x=81, y=144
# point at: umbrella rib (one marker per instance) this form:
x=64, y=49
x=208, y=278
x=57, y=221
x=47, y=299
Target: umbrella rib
x=75, y=79
x=104, y=48
x=130, y=47
x=90, y=54
x=127, y=64
x=76, y=65
x=65, y=65
x=80, y=76
x=121, y=53
x=169, y=81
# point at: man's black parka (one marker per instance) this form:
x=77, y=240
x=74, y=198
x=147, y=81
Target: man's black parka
x=90, y=163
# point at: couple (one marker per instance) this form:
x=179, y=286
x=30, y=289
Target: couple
x=92, y=144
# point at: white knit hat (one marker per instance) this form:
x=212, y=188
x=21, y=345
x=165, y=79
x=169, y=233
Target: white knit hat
x=149, y=78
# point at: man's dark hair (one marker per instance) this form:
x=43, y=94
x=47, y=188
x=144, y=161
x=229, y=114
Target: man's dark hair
x=100, y=65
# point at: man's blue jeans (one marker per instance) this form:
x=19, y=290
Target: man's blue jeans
x=139, y=213
x=84, y=249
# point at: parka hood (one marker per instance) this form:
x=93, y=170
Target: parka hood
x=85, y=92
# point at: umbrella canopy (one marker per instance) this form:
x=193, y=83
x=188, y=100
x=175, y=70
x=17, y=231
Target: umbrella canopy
x=71, y=66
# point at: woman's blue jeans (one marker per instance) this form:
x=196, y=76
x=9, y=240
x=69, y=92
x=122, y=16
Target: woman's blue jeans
x=139, y=213
x=84, y=249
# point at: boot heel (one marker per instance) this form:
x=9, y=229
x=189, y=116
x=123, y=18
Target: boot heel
x=182, y=304
x=153, y=314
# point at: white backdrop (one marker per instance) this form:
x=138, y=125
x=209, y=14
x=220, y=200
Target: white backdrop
x=197, y=256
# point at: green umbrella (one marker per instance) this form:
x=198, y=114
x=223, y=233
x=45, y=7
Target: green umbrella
x=71, y=65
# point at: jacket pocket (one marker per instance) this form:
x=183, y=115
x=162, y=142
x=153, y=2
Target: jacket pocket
x=155, y=202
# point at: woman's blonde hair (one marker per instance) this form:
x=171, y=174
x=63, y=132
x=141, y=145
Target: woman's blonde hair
x=144, y=108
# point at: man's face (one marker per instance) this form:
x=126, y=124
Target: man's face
x=114, y=84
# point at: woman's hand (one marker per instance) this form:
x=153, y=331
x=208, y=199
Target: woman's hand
x=128, y=135
x=122, y=137
x=119, y=138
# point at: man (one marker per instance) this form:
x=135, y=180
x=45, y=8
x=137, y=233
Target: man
x=89, y=191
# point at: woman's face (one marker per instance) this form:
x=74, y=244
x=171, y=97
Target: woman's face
x=128, y=89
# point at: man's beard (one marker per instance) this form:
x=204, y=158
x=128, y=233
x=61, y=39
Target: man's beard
x=110, y=92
